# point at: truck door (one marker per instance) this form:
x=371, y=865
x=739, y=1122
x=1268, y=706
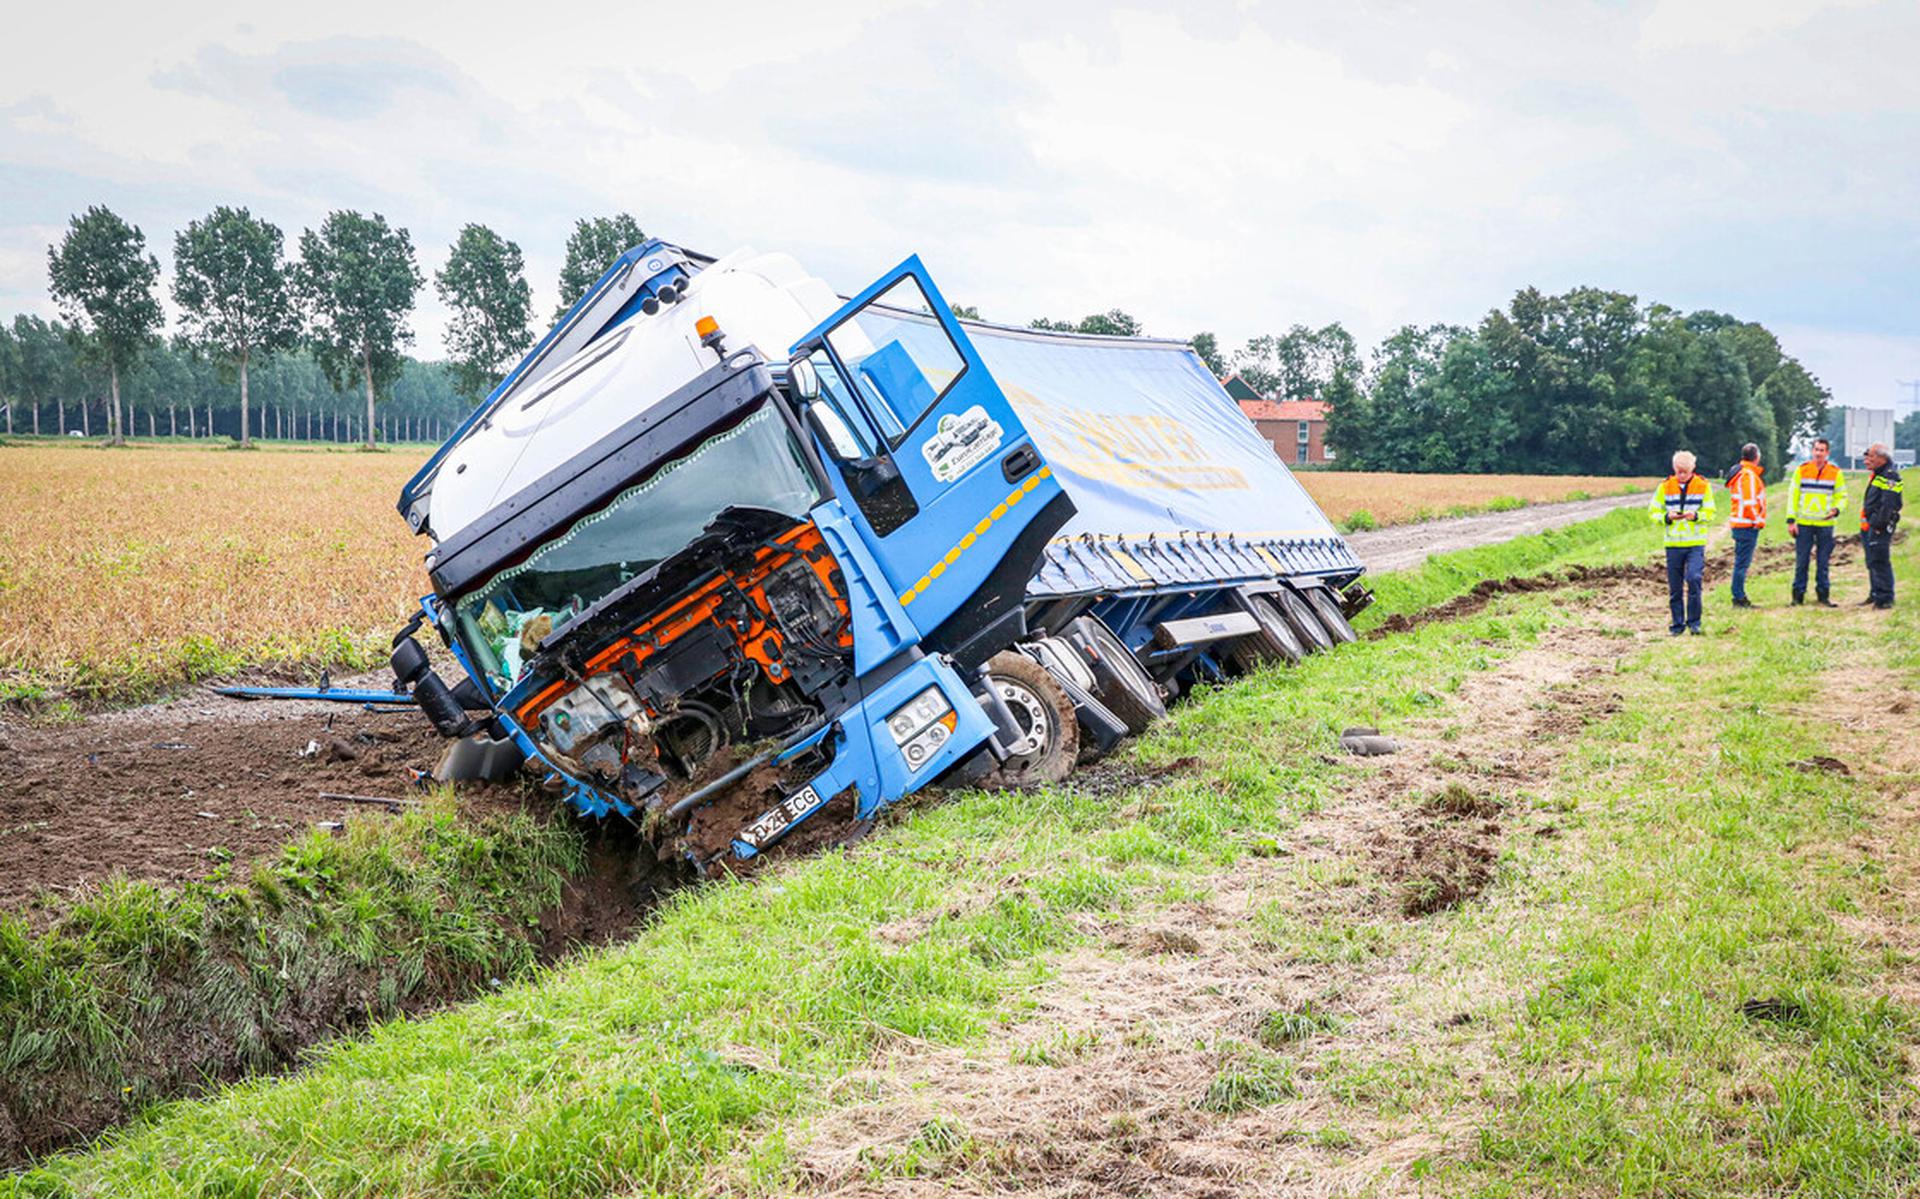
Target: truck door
x=954, y=495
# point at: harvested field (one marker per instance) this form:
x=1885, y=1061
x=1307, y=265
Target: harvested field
x=1359, y=500
x=124, y=571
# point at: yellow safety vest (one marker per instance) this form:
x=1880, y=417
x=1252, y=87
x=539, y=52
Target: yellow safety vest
x=1685, y=510
x=1817, y=495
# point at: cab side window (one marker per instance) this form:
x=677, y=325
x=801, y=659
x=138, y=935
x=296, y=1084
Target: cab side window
x=900, y=357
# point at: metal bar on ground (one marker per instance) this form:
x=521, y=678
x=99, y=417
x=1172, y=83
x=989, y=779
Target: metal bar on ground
x=337, y=695
x=382, y=800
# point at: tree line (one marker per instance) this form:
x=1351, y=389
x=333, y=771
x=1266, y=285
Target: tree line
x=273, y=345
x=270, y=344
x=1589, y=381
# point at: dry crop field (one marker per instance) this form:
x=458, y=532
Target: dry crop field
x=1367, y=499
x=122, y=571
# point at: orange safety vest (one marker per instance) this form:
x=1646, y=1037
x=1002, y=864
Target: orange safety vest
x=1748, y=493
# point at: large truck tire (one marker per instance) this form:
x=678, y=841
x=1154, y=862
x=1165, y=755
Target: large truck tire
x=1328, y=609
x=1049, y=730
x=1300, y=618
x=1274, y=642
x=1122, y=684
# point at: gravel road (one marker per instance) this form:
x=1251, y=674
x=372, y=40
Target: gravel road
x=1403, y=546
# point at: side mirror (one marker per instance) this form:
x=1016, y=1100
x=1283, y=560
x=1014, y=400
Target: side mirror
x=803, y=380
x=831, y=428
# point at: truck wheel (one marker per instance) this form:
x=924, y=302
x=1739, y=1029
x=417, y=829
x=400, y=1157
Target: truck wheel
x=1300, y=618
x=1049, y=732
x=1122, y=684
x=1328, y=609
x=1275, y=642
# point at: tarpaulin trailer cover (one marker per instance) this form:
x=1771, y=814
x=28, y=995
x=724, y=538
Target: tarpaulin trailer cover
x=1173, y=484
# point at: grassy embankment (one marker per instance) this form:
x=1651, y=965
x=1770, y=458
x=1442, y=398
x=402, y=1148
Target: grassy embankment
x=205, y=562
x=1697, y=872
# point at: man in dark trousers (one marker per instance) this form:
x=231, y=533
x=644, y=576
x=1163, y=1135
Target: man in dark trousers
x=1816, y=496
x=1683, y=507
x=1879, y=515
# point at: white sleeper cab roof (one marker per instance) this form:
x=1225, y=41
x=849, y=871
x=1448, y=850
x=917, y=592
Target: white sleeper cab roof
x=766, y=301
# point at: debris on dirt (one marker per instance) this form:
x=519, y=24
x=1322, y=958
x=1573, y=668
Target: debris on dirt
x=1457, y=1020
x=393, y=805
x=340, y=751
x=115, y=793
x=1821, y=764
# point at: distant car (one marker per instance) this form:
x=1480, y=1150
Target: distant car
x=75, y=433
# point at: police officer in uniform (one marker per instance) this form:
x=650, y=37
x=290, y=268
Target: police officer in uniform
x=1879, y=515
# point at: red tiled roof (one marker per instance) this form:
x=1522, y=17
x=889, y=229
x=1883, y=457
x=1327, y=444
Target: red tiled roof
x=1284, y=409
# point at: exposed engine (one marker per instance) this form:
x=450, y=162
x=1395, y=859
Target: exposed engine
x=754, y=649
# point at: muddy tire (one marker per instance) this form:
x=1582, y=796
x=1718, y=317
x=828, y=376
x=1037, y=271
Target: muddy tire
x=1300, y=618
x=1327, y=608
x=1121, y=683
x=1049, y=730
x=1275, y=642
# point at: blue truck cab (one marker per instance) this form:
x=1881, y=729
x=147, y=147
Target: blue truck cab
x=725, y=550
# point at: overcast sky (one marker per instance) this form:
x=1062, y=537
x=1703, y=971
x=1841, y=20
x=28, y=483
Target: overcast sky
x=1237, y=167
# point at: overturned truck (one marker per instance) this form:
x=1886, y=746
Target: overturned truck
x=724, y=543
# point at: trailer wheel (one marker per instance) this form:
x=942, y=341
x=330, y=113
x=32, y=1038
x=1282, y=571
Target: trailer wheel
x=1328, y=609
x=1275, y=642
x=1122, y=684
x=1049, y=732
x=1300, y=618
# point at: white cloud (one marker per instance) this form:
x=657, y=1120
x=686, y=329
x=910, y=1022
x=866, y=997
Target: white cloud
x=1238, y=166
x=1724, y=24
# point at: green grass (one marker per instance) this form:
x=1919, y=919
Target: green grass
x=136, y=990
x=1715, y=874
x=636, y=1070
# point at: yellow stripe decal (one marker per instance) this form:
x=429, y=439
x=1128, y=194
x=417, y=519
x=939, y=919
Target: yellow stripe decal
x=966, y=543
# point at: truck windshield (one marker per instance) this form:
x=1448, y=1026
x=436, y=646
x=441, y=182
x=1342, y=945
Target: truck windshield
x=755, y=464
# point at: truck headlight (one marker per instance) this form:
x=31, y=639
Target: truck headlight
x=919, y=712
x=926, y=744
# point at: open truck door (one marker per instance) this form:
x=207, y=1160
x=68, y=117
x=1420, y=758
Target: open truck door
x=954, y=498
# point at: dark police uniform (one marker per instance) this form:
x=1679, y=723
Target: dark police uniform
x=1879, y=514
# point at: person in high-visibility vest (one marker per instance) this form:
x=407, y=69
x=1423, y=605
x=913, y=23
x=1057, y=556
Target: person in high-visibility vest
x=1816, y=495
x=1684, y=505
x=1746, y=516
x=1879, y=516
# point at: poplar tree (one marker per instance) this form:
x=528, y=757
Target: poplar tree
x=230, y=280
x=484, y=284
x=103, y=279
x=595, y=243
x=356, y=279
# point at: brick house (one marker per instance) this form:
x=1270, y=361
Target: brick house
x=1297, y=428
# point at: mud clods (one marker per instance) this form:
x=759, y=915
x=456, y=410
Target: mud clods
x=1449, y=850
x=1487, y=590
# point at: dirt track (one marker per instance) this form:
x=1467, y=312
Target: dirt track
x=169, y=791
x=1404, y=546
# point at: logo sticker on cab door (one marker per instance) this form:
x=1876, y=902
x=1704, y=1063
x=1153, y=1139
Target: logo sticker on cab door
x=960, y=442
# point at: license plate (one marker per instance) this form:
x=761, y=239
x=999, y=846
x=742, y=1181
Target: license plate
x=779, y=818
